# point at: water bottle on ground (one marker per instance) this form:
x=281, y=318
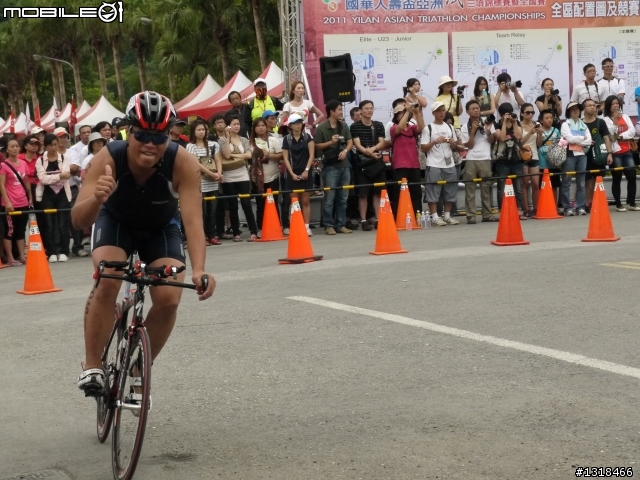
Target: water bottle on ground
x=418, y=218
x=409, y=226
x=426, y=220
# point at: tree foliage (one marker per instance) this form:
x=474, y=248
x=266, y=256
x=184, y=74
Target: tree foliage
x=185, y=41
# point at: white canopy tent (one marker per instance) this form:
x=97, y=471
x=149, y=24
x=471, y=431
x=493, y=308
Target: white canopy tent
x=63, y=116
x=102, y=111
x=84, y=108
x=18, y=128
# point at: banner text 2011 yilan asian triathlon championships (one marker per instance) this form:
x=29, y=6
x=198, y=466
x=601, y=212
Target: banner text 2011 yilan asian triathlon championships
x=481, y=37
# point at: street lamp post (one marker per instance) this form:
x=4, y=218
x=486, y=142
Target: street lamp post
x=76, y=77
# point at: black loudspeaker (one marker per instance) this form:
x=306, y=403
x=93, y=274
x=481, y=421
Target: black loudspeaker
x=338, y=80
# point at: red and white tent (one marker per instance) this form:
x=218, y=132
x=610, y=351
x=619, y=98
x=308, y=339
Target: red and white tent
x=102, y=111
x=18, y=128
x=50, y=124
x=274, y=78
x=217, y=103
x=206, y=90
x=82, y=109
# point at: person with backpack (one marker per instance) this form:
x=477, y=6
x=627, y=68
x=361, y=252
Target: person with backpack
x=576, y=133
x=298, y=150
x=439, y=141
x=507, y=154
x=597, y=156
x=550, y=135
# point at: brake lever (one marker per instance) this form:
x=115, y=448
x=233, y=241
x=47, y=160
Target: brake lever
x=205, y=285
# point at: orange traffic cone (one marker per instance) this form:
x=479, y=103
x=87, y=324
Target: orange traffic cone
x=387, y=239
x=405, y=206
x=271, y=229
x=546, y=208
x=1, y=265
x=37, y=277
x=509, y=228
x=600, y=227
x=300, y=249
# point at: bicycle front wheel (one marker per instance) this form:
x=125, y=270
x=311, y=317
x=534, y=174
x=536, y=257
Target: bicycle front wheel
x=106, y=402
x=132, y=406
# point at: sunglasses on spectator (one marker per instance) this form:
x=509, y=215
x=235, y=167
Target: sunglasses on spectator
x=153, y=137
x=529, y=112
x=34, y=142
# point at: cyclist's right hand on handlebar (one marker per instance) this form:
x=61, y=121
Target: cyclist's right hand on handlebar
x=105, y=185
x=206, y=284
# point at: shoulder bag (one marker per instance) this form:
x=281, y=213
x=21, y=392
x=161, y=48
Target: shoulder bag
x=556, y=155
x=18, y=176
x=229, y=164
x=599, y=147
x=371, y=166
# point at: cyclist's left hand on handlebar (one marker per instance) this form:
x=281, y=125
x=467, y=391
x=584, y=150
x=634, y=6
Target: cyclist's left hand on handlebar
x=211, y=284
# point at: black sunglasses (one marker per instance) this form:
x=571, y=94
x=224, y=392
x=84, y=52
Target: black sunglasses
x=146, y=137
x=529, y=112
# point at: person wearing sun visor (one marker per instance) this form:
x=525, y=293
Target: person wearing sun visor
x=130, y=195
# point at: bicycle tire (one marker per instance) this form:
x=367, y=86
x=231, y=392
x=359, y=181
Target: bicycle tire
x=106, y=402
x=129, y=429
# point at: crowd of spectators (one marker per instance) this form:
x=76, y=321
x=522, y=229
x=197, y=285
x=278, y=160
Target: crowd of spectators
x=291, y=144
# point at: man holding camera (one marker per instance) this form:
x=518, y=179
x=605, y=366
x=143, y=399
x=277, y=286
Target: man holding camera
x=477, y=135
x=508, y=93
x=333, y=140
x=508, y=159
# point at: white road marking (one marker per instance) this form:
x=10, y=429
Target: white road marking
x=500, y=342
x=619, y=265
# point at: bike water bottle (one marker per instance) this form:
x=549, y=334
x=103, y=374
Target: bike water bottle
x=419, y=218
x=427, y=221
x=409, y=226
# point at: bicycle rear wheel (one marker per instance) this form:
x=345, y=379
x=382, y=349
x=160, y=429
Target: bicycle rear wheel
x=132, y=406
x=106, y=402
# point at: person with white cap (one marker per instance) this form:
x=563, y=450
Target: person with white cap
x=439, y=141
x=96, y=143
x=298, y=149
x=39, y=133
x=451, y=101
x=260, y=103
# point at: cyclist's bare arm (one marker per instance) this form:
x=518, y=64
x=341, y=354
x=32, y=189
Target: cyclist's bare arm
x=186, y=181
x=97, y=185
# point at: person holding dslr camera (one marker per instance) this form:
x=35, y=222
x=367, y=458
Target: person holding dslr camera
x=507, y=154
x=450, y=100
x=405, y=161
x=508, y=93
x=477, y=135
x=333, y=141
x=550, y=100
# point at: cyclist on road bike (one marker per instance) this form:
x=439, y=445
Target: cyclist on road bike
x=130, y=195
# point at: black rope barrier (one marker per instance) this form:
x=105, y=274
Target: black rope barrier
x=352, y=187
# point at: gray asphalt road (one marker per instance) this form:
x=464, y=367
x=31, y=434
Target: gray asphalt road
x=255, y=385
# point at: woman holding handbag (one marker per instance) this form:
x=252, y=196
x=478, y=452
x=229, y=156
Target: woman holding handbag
x=208, y=154
x=530, y=133
x=15, y=194
x=576, y=133
x=236, y=152
x=621, y=133
x=55, y=193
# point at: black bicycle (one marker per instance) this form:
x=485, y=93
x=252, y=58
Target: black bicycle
x=126, y=361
